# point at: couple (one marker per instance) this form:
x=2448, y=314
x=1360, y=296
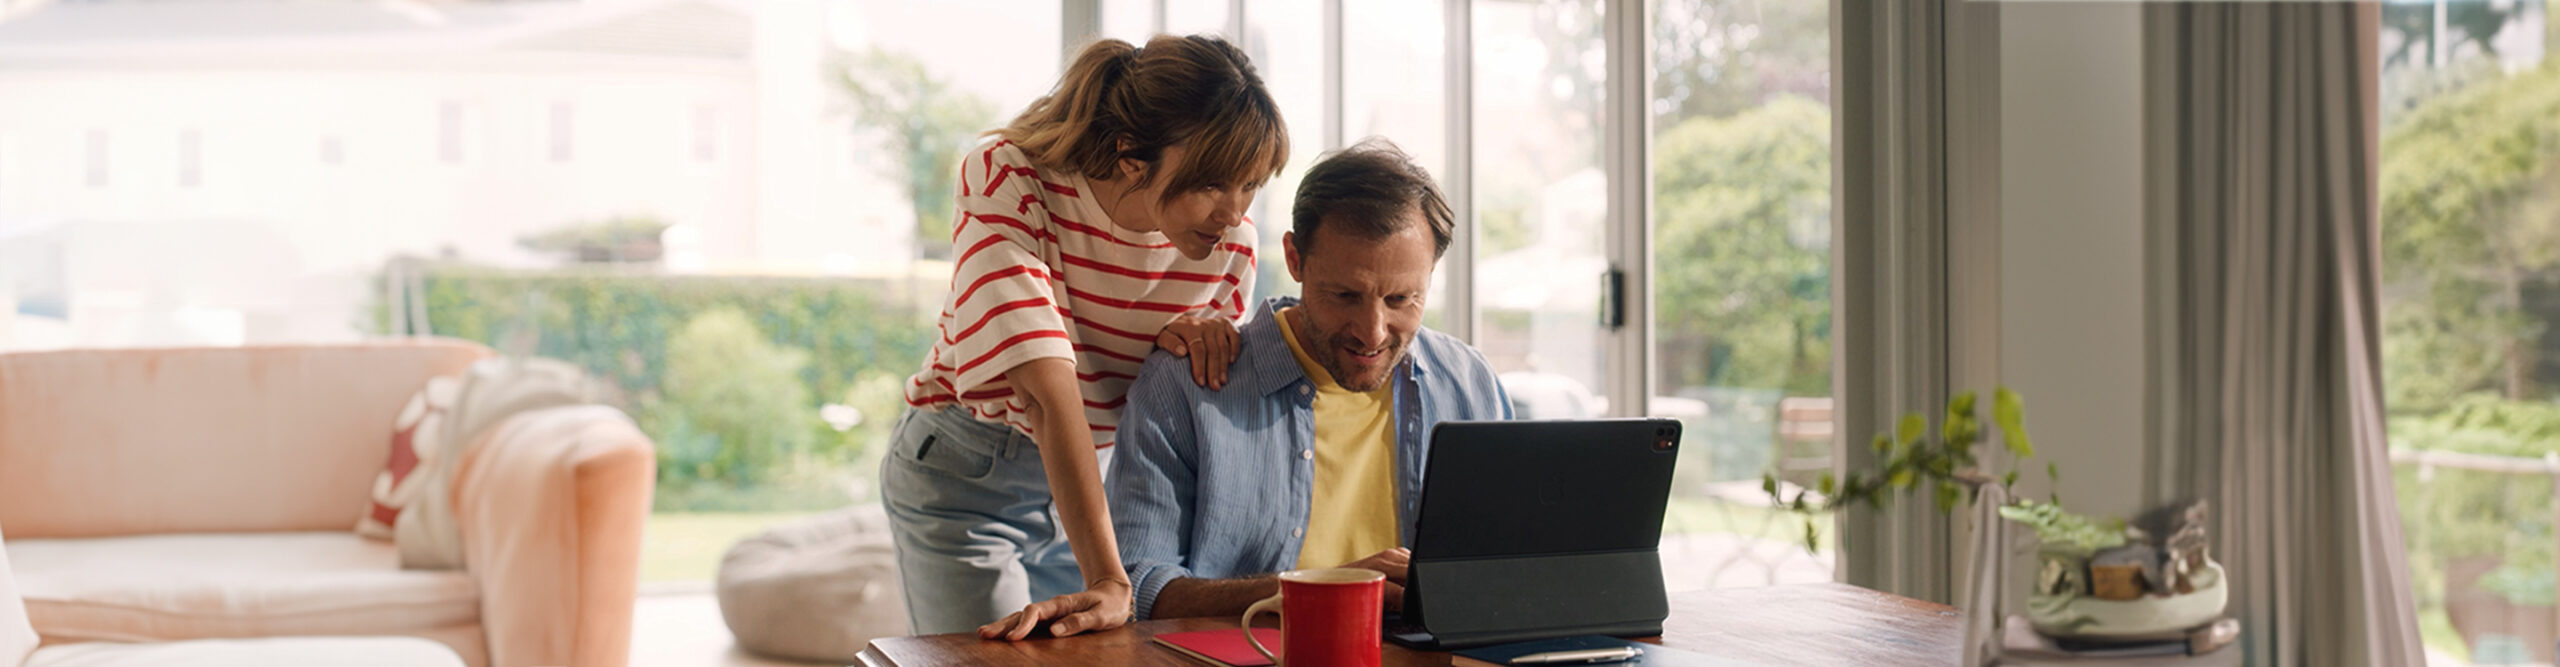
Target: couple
x=1103, y=262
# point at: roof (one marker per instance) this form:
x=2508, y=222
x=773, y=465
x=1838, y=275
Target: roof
x=685, y=29
x=192, y=31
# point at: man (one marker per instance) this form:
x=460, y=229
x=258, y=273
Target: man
x=1311, y=454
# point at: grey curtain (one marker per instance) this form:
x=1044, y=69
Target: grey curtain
x=1916, y=132
x=2266, y=370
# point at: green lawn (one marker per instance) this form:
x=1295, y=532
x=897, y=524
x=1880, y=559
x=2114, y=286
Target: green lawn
x=686, y=546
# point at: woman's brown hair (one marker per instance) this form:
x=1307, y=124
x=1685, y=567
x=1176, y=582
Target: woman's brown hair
x=1196, y=91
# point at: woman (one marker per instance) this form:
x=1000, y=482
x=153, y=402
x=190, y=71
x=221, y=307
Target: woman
x=1105, y=221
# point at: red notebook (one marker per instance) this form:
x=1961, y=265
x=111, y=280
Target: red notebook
x=1224, y=647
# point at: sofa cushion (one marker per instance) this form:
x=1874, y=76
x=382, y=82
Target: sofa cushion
x=198, y=586
x=418, y=445
x=383, y=651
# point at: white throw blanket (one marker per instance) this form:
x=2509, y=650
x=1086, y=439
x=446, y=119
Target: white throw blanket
x=489, y=393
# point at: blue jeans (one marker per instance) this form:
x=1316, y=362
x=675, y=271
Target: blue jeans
x=969, y=510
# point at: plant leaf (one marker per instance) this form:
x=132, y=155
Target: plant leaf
x=2009, y=481
x=1829, y=484
x=1812, y=541
x=1948, y=493
x=1912, y=427
x=2011, y=415
x=2064, y=531
x=1902, y=478
x=1769, y=484
x=1884, y=443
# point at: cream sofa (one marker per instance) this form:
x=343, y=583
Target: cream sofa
x=18, y=646
x=182, y=494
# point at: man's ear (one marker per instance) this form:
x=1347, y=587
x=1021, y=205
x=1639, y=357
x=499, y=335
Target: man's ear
x=1289, y=254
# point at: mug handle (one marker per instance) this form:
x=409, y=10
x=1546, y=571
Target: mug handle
x=1269, y=604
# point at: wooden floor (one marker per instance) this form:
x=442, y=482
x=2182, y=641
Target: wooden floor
x=684, y=630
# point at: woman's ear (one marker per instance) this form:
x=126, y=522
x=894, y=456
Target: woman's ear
x=1130, y=167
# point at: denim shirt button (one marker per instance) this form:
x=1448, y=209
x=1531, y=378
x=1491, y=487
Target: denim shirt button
x=1308, y=454
x=1303, y=389
x=1297, y=532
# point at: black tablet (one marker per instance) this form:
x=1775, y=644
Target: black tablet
x=1538, y=529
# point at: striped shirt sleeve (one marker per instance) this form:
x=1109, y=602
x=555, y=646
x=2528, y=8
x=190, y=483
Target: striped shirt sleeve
x=1002, y=308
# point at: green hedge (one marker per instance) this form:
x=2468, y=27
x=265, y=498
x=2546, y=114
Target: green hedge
x=726, y=374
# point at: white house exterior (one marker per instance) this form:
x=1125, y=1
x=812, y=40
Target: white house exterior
x=236, y=172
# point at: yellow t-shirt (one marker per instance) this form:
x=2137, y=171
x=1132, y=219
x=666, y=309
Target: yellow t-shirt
x=1353, y=512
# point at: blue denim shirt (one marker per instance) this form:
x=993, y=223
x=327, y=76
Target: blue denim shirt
x=1215, y=483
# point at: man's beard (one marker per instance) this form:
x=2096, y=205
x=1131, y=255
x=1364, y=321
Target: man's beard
x=1335, y=363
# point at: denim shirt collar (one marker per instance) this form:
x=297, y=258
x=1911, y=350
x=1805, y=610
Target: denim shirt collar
x=1266, y=352
x=1218, y=483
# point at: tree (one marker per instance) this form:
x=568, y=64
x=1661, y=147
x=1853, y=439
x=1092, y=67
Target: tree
x=1719, y=57
x=927, y=123
x=1743, y=214
x=2471, y=227
x=741, y=411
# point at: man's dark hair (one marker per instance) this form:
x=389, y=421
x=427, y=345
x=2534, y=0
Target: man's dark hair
x=1363, y=191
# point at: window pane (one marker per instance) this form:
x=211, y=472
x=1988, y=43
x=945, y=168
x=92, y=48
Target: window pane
x=1132, y=21
x=2470, y=293
x=1541, y=202
x=731, y=214
x=1742, y=321
x=1190, y=17
x=1393, y=86
x=1285, y=38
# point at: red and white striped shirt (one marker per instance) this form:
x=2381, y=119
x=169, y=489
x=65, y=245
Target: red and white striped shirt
x=1042, y=273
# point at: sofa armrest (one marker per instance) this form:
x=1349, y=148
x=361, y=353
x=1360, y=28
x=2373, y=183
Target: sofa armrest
x=550, y=507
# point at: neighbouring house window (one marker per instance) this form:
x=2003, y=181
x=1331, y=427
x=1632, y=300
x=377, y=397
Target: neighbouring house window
x=706, y=133
x=449, y=132
x=190, y=158
x=561, y=116
x=96, y=169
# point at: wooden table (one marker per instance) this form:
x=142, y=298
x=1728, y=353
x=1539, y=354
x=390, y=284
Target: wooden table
x=1811, y=624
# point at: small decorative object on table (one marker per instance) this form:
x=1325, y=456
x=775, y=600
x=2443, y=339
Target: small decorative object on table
x=2024, y=647
x=2118, y=589
x=2109, y=583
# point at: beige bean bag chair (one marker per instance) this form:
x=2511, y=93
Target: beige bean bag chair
x=817, y=589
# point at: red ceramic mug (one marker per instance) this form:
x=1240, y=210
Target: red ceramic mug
x=1327, y=617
